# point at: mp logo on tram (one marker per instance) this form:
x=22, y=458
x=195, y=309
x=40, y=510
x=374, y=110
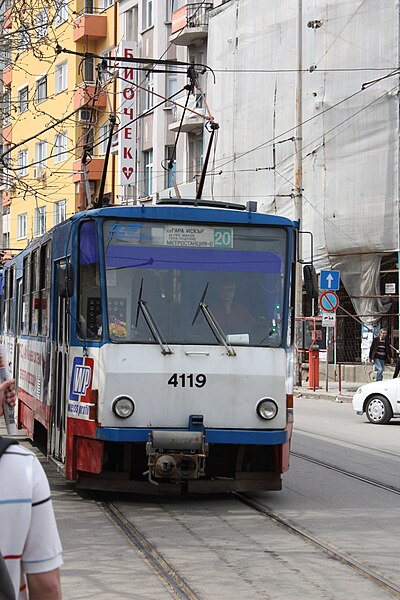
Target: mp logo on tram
x=81, y=378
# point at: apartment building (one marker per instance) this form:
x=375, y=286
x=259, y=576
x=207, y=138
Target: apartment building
x=52, y=115
x=69, y=95
x=169, y=148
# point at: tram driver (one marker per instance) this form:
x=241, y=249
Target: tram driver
x=232, y=316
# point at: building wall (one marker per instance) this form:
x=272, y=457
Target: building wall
x=349, y=134
x=42, y=188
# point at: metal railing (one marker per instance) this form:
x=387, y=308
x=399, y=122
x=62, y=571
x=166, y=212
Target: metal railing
x=197, y=14
x=195, y=103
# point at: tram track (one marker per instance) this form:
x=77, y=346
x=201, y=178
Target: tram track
x=176, y=585
x=328, y=549
x=373, y=482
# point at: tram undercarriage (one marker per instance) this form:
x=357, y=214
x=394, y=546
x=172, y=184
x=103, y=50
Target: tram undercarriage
x=184, y=460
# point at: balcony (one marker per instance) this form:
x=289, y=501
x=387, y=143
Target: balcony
x=6, y=197
x=89, y=26
x=8, y=18
x=94, y=169
x=190, y=24
x=193, y=122
x=7, y=134
x=84, y=96
x=7, y=75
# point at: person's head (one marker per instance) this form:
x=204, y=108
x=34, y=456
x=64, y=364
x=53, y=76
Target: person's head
x=382, y=333
x=226, y=290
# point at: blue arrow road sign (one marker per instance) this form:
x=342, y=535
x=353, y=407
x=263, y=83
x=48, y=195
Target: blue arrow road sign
x=329, y=280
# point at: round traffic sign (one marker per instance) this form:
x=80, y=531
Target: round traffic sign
x=329, y=301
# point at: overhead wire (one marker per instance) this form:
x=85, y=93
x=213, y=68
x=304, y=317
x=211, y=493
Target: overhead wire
x=304, y=122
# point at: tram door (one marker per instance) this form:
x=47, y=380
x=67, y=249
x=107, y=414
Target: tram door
x=17, y=334
x=60, y=382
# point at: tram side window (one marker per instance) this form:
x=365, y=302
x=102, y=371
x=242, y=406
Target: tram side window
x=35, y=291
x=9, y=298
x=45, y=271
x=26, y=285
x=89, y=315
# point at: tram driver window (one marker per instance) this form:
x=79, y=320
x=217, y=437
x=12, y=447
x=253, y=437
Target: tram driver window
x=89, y=320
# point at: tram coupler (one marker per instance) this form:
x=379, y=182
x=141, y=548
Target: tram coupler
x=176, y=455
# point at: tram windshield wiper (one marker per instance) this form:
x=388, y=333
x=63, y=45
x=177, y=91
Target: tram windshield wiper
x=213, y=323
x=151, y=322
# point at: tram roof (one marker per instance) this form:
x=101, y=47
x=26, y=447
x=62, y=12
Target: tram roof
x=185, y=210
x=189, y=210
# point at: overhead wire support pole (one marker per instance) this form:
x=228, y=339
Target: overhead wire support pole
x=99, y=202
x=298, y=168
x=213, y=127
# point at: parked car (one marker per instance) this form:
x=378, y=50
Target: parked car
x=379, y=400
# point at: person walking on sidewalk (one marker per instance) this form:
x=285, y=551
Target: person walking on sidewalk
x=29, y=540
x=397, y=367
x=380, y=353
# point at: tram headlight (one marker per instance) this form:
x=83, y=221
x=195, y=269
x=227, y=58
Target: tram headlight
x=123, y=407
x=267, y=409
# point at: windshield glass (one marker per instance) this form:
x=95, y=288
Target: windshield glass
x=236, y=272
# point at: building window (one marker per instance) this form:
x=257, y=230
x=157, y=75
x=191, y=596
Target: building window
x=170, y=173
x=61, y=77
x=60, y=211
x=22, y=163
x=41, y=90
x=87, y=139
x=88, y=8
x=22, y=221
x=169, y=10
x=148, y=172
x=107, y=3
x=23, y=99
x=103, y=137
x=60, y=147
x=6, y=53
x=171, y=84
x=108, y=72
x=40, y=154
x=147, y=13
x=61, y=11
x=6, y=106
x=42, y=23
x=131, y=24
x=39, y=226
x=88, y=70
x=23, y=38
x=6, y=227
x=195, y=156
x=148, y=94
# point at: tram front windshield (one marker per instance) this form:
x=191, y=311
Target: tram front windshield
x=192, y=284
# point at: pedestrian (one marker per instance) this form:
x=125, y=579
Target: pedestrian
x=29, y=540
x=397, y=367
x=380, y=353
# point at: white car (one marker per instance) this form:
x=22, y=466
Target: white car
x=380, y=400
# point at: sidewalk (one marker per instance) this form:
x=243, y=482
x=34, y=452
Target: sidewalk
x=99, y=560
x=345, y=394
x=352, y=377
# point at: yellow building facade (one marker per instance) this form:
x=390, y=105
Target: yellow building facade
x=56, y=122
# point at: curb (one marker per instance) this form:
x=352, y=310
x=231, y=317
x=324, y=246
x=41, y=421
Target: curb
x=332, y=396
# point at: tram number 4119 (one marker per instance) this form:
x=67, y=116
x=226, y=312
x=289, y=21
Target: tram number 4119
x=187, y=380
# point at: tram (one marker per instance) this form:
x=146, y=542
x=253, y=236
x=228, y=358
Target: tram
x=152, y=346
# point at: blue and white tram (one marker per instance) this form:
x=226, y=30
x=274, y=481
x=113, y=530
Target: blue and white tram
x=153, y=345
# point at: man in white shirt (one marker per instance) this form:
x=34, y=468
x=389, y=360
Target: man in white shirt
x=29, y=540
